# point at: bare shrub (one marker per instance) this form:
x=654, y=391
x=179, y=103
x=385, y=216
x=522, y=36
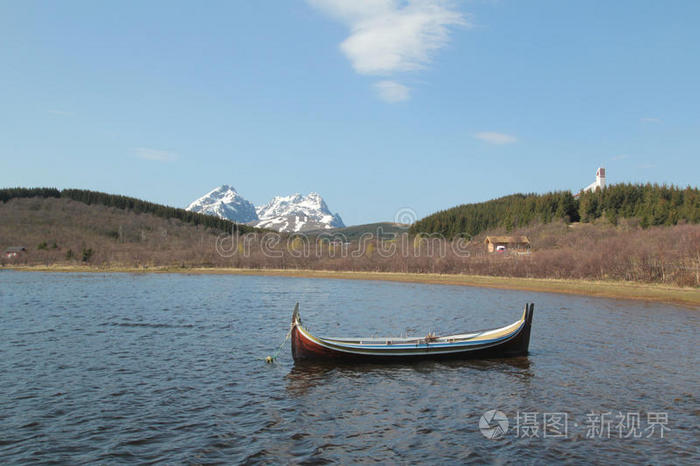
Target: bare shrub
x=599, y=251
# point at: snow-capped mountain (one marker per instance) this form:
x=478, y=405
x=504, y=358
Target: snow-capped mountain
x=297, y=213
x=293, y=213
x=225, y=202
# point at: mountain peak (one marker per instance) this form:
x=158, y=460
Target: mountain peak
x=296, y=213
x=293, y=213
x=225, y=202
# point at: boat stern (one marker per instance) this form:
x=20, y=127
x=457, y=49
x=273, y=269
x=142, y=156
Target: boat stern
x=524, y=337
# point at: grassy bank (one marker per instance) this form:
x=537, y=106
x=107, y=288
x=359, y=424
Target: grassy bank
x=605, y=289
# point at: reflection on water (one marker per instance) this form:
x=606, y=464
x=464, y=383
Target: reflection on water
x=169, y=368
x=303, y=376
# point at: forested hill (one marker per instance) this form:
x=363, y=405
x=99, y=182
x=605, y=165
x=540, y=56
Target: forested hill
x=651, y=204
x=127, y=203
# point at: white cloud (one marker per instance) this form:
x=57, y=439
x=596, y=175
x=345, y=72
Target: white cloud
x=621, y=157
x=496, y=138
x=155, y=154
x=390, y=36
x=391, y=91
x=650, y=120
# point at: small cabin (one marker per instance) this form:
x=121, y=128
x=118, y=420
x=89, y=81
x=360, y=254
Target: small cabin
x=507, y=243
x=14, y=251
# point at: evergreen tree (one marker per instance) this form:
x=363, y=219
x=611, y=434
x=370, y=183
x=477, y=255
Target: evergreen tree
x=652, y=204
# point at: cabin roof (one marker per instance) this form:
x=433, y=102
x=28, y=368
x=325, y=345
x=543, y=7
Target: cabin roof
x=507, y=239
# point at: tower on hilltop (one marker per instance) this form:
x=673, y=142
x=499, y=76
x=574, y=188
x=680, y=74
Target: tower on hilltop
x=599, y=180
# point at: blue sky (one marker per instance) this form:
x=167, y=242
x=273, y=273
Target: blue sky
x=377, y=105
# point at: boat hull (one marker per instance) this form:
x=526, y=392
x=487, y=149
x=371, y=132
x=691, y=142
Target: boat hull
x=308, y=348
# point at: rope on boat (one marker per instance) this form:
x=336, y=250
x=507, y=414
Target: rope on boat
x=271, y=359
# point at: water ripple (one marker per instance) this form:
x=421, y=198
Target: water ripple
x=168, y=368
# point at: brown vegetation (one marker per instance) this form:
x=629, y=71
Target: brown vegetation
x=66, y=232
x=63, y=231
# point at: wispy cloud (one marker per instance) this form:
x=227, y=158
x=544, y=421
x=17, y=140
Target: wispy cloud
x=650, y=120
x=647, y=166
x=155, y=154
x=391, y=36
x=391, y=91
x=620, y=157
x=496, y=138
x=60, y=112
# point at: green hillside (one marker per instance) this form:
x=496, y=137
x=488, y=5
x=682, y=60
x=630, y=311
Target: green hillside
x=127, y=203
x=651, y=204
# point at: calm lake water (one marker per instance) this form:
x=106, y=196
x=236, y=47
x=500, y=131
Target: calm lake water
x=169, y=368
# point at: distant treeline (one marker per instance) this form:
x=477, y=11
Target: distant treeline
x=127, y=203
x=651, y=204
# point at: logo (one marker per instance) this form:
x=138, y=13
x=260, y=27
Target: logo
x=493, y=424
x=405, y=216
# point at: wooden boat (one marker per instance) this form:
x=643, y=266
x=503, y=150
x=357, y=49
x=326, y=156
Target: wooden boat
x=511, y=340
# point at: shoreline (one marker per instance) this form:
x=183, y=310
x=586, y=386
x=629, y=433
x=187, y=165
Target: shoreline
x=601, y=289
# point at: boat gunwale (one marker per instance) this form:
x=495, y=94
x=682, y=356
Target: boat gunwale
x=420, y=344
x=429, y=349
